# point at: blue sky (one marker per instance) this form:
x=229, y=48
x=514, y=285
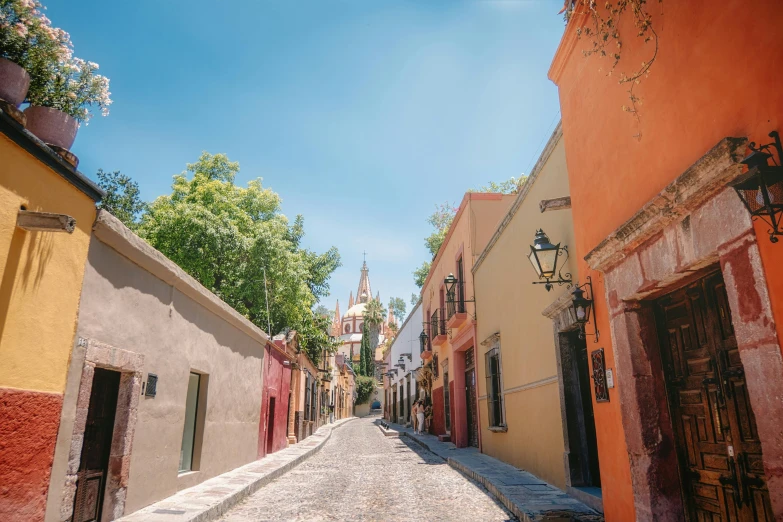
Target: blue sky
x=361, y=114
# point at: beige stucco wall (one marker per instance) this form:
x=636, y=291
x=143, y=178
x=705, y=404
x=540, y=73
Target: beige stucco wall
x=509, y=304
x=127, y=307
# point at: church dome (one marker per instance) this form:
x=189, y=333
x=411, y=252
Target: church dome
x=356, y=310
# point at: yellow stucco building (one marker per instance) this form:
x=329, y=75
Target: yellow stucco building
x=535, y=412
x=42, y=258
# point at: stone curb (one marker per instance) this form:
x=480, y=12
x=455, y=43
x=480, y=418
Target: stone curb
x=389, y=432
x=168, y=510
x=508, y=503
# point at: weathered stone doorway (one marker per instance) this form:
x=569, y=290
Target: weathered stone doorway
x=94, y=461
x=126, y=367
x=695, y=222
x=715, y=431
x=580, y=457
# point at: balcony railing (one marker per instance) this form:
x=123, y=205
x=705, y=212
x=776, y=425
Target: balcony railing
x=437, y=324
x=455, y=300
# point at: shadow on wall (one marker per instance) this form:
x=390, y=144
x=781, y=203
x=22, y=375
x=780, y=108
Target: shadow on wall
x=40, y=248
x=123, y=273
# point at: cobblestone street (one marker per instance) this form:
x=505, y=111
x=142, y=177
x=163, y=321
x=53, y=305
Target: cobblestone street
x=362, y=475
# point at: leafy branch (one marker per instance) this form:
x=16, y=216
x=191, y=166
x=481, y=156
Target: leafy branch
x=607, y=42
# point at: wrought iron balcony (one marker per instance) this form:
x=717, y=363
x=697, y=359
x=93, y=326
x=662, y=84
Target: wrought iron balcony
x=438, y=328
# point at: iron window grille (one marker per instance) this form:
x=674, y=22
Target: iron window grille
x=494, y=390
x=307, y=397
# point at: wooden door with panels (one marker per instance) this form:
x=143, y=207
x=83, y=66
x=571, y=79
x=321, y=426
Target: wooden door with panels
x=717, y=441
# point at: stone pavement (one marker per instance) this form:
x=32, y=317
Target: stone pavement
x=213, y=497
x=362, y=475
x=529, y=498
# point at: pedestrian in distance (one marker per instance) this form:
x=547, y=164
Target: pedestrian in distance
x=331, y=413
x=414, y=416
x=420, y=416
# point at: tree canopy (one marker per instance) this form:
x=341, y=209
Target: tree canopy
x=123, y=197
x=509, y=186
x=398, y=308
x=236, y=242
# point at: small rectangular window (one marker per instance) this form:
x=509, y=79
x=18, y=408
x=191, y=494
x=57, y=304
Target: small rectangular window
x=494, y=389
x=307, y=397
x=189, y=432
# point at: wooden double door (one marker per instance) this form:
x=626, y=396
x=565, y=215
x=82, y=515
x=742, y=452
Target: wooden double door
x=718, y=446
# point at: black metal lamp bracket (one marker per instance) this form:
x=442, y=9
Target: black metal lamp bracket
x=774, y=218
x=582, y=333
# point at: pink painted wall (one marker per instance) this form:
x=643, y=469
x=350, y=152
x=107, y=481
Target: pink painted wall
x=277, y=386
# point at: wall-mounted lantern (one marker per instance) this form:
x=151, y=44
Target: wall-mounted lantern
x=544, y=257
x=424, y=344
x=583, y=306
x=455, y=304
x=761, y=188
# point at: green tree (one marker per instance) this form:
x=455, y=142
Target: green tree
x=441, y=221
x=509, y=186
x=322, y=310
x=415, y=297
x=364, y=387
x=123, y=198
x=364, y=350
x=398, y=308
x=420, y=275
x=236, y=242
x=374, y=315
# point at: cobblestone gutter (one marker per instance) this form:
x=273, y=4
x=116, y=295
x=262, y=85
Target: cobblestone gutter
x=212, y=498
x=526, y=496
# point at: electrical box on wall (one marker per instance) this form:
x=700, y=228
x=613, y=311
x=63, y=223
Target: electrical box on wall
x=609, y=378
x=152, y=385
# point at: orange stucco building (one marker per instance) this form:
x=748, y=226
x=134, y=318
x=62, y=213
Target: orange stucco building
x=688, y=290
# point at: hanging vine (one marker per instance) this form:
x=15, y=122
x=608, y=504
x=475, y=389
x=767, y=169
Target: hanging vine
x=604, y=35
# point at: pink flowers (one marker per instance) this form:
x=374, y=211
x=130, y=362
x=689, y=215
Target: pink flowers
x=58, y=79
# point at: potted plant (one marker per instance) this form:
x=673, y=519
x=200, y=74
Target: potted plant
x=29, y=47
x=61, y=104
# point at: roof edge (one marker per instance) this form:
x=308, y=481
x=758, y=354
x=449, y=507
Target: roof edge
x=39, y=150
x=112, y=232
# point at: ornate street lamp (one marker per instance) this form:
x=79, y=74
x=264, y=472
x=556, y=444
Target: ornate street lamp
x=423, y=341
x=582, y=308
x=544, y=257
x=761, y=188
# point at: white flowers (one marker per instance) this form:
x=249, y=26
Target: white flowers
x=58, y=79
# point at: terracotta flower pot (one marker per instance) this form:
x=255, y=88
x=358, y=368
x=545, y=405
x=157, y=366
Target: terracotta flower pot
x=52, y=126
x=14, y=82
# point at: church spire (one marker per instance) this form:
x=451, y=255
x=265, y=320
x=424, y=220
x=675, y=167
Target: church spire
x=336, y=320
x=364, y=293
x=350, y=301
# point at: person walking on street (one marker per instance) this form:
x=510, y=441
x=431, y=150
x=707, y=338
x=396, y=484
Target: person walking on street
x=420, y=416
x=414, y=417
x=331, y=413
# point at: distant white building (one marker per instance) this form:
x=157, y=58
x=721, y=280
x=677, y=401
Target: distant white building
x=403, y=362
